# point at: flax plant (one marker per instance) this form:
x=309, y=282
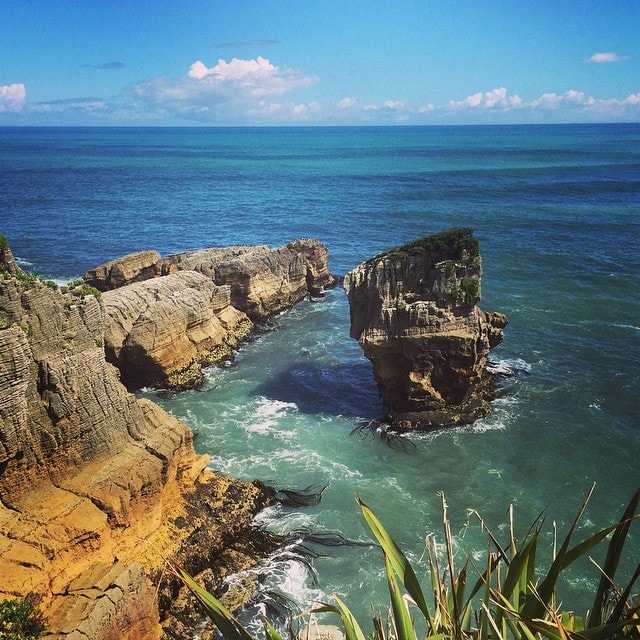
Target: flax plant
x=511, y=598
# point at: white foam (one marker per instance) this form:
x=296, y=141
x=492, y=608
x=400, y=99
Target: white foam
x=626, y=326
x=274, y=408
x=509, y=366
x=266, y=418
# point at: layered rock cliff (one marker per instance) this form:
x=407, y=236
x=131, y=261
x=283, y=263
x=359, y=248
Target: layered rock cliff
x=161, y=332
x=98, y=488
x=413, y=311
x=167, y=317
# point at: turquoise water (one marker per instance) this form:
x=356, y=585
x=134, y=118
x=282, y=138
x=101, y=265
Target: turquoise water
x=557, y=212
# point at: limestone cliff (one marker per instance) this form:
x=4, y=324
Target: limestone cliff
x=97, y=488
x=413, y=311
x=160, y=332
x=167, y=317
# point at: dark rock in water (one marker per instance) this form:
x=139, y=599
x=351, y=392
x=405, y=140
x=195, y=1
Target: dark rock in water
x=413, y=311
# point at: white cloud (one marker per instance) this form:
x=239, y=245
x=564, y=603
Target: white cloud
x=570, y=106
x=497, y=98
x=555, y=101
x=12, y=97
x=234, y=70
x=228, y=90
x=608, y=56
x=347, y=103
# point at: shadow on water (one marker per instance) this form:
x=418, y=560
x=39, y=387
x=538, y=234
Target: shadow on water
x=343, y=389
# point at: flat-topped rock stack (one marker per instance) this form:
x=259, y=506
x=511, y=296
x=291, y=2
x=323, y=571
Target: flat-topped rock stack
x=413, y=311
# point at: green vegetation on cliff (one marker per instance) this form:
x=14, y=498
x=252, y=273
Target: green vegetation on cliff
x=452, y=244
x=19, y=620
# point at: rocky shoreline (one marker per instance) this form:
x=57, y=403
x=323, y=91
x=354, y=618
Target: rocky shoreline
x=99, y=489
x=166, y=318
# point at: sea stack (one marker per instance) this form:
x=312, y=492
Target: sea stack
x=413, y=311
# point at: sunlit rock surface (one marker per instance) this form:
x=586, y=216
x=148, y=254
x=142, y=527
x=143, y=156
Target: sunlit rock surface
x=413, y=311
x=98, y=488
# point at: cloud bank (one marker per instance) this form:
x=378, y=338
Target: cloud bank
x=257, y=91
x=225, y=91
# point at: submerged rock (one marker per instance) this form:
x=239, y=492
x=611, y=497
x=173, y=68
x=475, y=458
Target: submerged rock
x=413, y=311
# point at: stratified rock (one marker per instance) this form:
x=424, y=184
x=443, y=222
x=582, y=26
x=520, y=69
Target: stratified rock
x=413, y=311
x=7, y=263
x=134, y=267
x=97, y=488
x=267, y=281
x=263, y=281
x=168, y=317
x=161, y=332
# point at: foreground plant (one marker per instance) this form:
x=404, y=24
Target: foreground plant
x=19, y=620
x=511, y=598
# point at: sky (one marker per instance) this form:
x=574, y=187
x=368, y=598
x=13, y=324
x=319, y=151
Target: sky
x=318, y=62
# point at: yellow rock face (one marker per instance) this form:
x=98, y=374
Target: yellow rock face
x=97, y=488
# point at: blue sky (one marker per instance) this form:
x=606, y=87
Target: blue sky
x=327, y=62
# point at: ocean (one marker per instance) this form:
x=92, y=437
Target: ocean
x=556, y=210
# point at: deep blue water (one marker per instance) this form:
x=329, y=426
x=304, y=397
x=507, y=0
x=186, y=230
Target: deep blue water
x=557, y=212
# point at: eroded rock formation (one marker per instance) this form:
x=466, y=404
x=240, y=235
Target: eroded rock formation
x=263, y=281
x=166, y=317
x=98, y=488
x=413, y=311
x=160, y=332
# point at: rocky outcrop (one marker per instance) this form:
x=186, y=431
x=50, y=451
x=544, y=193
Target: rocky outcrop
x=134, y=267
x=98, y=488
x=161, y=332
x=265, y=282
x=167, y=317
x=413, y=311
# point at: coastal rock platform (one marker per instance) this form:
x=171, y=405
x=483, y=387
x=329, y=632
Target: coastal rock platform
x=98, y=489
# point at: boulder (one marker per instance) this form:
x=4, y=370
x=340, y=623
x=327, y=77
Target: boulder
x=97, y=488
x=134, y=267
x=413, y=311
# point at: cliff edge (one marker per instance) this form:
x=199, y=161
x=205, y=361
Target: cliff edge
x=98, y=488
x=168, y=317
x=413, y=311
